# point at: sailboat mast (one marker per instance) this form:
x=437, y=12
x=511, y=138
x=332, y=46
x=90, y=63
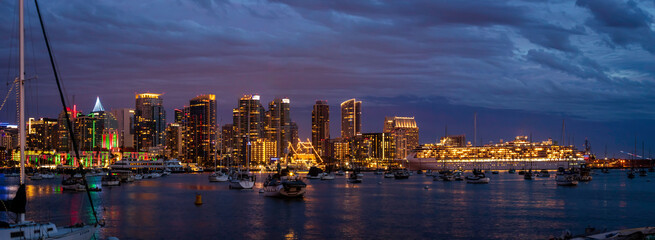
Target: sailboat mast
x=21, y=82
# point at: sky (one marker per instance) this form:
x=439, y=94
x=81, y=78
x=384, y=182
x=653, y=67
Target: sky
x=523, y=66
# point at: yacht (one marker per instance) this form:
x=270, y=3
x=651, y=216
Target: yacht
x=174, y=166
x=355, y=178
x=565, y=178
x=242, y=180
x=388, y=174
x=401, y=174
x=284, y=184
x=110, y=180
x=218, y=176
x=478, y=177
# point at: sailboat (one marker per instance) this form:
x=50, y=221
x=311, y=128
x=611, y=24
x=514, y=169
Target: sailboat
x=24, y=229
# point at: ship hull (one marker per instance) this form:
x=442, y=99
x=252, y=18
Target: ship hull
x=487, y=164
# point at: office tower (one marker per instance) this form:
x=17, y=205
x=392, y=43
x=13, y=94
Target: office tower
x=320, y=126
x=174, y=141
x=201, y=130
x=262, y=151
x=351, y=115
x=64, y=143
x=248, y=124
x=278, y=125
x=42, y=134
x=125, y=118
x=405, y=134
x=149, y=121
x=381, y=146
x=227, y=139
x=97, y=130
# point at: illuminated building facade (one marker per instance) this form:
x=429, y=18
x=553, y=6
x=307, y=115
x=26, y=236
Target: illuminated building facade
x=404, y=132
x=149, y=121
x=248, y=124
x=42, y=134
x=351, y=118
x=454, y=140
x=64, y=144
x=174, y=140
x=262, y=151
x=201, y=130
x=125, y=130
x=320, y=126
x=97, y=130
x=227, y=139
x=380, y=146
x=278, y=125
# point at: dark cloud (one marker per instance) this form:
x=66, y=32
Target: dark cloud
x=624, y=22
x=524, y=57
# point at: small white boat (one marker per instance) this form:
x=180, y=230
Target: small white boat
x=138, y=177
x=218, y=177
x=340, y=173
x=73, y=184
x=36, y=176
x=242, y=181
x=543, y=173
x=284, y=185
x=378, y=172
x=327, y=176
x=566, y=180
x=355, y=178
x=478, y=177
x=388, y=174
x=48, y=175
x=110, y=180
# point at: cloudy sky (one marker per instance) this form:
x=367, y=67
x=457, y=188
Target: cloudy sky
x=522, y=66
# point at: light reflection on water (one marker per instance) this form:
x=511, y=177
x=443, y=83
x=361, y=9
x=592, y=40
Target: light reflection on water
x=508, y=207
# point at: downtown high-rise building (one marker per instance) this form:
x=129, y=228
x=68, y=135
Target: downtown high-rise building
x=201, y=129
x=320, y=126
x=351, y=118
x=149, y=121
x=97, y=130
x=125, y=119
x=404, y=132
x=42, y=134
x=248, y=126
x=278, y=127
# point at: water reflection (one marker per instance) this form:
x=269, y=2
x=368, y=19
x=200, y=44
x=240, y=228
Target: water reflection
x=507, y=208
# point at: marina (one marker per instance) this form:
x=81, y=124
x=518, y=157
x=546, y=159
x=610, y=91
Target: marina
x=377, y=208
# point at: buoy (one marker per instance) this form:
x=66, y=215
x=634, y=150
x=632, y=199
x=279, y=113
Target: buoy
x=198, y=199
x=261, y=190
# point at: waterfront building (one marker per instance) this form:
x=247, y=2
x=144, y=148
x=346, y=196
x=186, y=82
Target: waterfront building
x=320, y=126
x=63, y=143
x=42, y=134
x=227, y=139
x=248, y=125
x=262, y=151
x=149, y=121
x=278, y=125
x=125, y=129
x=201, y=130
x=404, y=132
x=351, y=118
x=174, y=141
x=381, y=146
x=97, y=130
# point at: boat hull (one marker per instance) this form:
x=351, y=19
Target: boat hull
x=33, y=230
x=242, y=184
x=490, y=164
x=282, y=192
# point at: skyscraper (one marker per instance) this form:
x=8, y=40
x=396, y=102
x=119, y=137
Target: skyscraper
x=351, y=118
x=320, y=126
x=201, y=129
x=125, y=118
x=278, y=125
x=149, y=121
x=248, y=124
x=97, y=130
x=404, y=132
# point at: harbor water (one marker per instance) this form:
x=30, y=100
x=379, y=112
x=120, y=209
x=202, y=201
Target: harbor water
x=509, y=207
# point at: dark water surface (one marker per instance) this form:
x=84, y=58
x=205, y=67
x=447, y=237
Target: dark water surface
x=507, y=208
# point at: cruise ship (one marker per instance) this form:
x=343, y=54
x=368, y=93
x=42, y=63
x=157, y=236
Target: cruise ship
x=517, y=154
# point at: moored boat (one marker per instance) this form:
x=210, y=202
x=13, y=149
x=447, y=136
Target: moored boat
x=478, y=177
x=285, y=185
x=401, y=174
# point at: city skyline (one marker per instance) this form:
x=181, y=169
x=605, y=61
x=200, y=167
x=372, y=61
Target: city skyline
x=522, y=66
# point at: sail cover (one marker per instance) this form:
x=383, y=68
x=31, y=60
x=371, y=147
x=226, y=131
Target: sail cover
x=16, y=205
